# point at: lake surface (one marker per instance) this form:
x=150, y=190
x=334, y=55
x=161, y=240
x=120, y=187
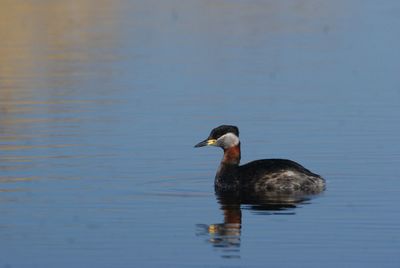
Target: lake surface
x=101, y=103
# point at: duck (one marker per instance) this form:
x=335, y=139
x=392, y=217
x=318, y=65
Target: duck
x=265, y=176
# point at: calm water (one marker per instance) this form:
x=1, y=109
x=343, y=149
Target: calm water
x=101, y=103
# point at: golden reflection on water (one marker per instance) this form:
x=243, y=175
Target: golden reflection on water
x=47, y=49
x=37, y=34
x=47, y=45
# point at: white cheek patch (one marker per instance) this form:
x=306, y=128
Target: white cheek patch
x=228, y=140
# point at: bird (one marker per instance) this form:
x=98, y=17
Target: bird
x=259, y=177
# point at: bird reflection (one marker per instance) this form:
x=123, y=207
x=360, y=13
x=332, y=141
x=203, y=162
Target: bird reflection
x=226, y=236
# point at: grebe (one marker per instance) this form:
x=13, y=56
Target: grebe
x=274, y=176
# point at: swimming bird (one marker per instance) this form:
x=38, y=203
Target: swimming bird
x=267, y=176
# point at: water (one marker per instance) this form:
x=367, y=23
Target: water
x=102, y=102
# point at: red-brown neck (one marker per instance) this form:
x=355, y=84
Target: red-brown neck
x=232, y=155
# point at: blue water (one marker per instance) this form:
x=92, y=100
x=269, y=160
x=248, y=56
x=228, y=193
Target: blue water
x=101, y=104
